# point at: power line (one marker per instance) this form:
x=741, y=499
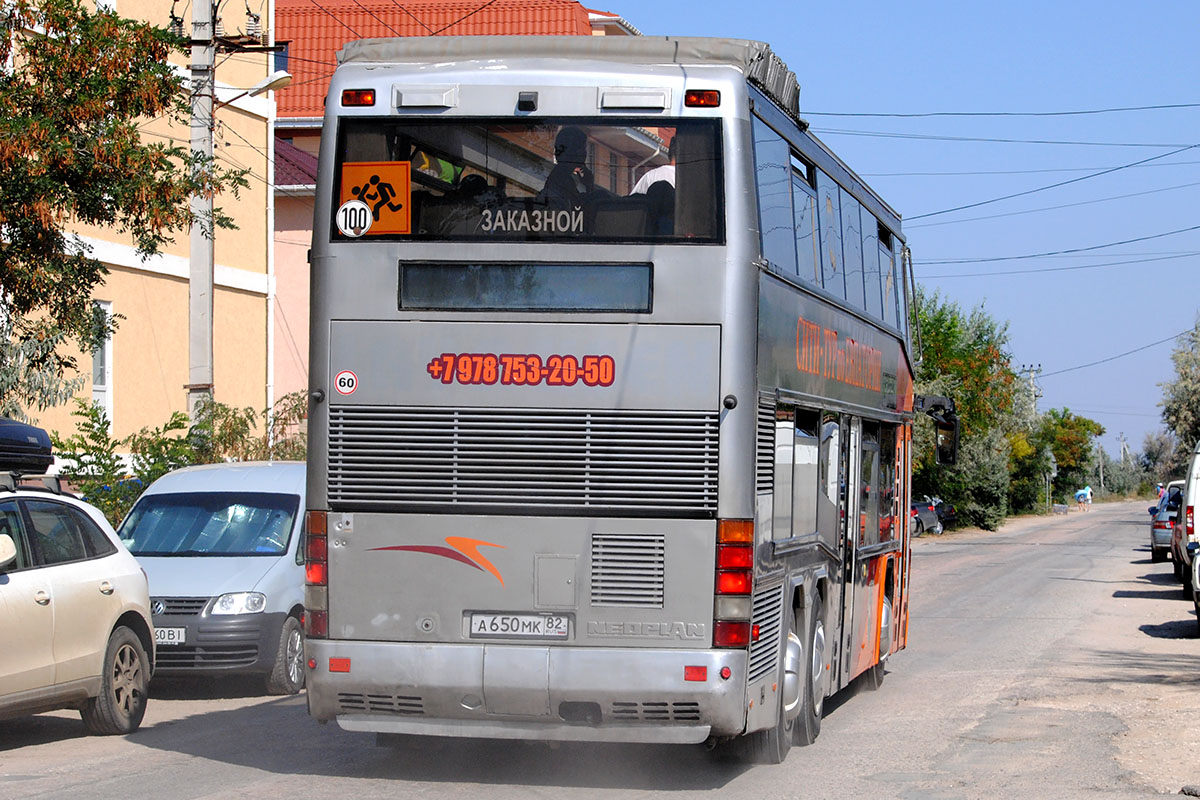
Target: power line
x=1053, y=185
x=1001, y=113
x=987, y=139
x=1062, y=252
x=462, y=18
x=376, y=18
x=1057, y=269
x=1053, y=208
x=1119, y=355
x=336, y=19
x=974, y=173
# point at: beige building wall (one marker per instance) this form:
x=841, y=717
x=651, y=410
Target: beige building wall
x=149, y=351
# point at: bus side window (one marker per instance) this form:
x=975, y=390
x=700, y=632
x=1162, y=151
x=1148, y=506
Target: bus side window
x=829, y=478
x=785, y=421
x=852, y=254
x=772, y=157
x=872, y=284
x=805, y=480
x=889, y=469
x=869, y=507
x=829, y=216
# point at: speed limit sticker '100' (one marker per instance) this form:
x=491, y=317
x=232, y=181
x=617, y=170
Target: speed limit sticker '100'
x=522, y=369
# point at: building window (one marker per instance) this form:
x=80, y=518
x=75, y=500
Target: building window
x=102, y=368
x=281, y=56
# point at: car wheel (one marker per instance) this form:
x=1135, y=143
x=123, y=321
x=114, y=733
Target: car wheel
x=287, y=676
x=938, y=528
x=121, y=704
x=1177, y=568
x=1157, y=555
x=919, y=529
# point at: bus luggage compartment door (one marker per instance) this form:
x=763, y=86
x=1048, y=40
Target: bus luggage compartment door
x=516, y=680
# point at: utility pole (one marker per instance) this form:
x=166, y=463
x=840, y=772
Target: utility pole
x=1031, y=371
x=200, y=237
x=205, y=42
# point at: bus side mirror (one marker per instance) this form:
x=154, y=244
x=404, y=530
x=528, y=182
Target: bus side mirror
x=947, y=440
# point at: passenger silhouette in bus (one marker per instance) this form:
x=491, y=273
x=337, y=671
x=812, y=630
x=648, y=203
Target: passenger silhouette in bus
x=664, y=173
x=377, y=195
x=570, y=180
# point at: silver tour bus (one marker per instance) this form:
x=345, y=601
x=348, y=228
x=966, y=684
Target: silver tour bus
x=611, y=398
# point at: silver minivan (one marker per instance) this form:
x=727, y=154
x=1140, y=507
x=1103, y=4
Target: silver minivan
x=222, y=546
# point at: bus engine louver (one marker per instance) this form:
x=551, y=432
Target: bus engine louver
x=529, y=461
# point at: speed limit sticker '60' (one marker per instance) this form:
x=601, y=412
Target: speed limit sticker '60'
x=522, y=369
x=345, y=382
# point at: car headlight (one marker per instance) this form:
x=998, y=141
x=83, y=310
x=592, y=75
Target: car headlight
x=240, y=603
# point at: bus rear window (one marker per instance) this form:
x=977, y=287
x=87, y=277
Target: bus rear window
x=526, y=287
x=529, y=180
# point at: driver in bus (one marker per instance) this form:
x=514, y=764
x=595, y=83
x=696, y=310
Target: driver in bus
x=570, y=181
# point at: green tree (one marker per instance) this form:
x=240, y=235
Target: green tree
x=1072, y=440
x=1181, y=397
x=82, y=82
x=965, y=357
x=1162, y=456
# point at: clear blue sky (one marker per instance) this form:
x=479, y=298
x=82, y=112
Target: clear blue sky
x=1020, y=56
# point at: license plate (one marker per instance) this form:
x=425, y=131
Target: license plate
x=170, y=635
x=519, y=626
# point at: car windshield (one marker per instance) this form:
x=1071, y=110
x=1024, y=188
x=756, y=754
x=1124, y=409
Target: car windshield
x=210, y=524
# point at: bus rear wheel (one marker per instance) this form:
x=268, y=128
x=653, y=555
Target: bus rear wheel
x=808, y=723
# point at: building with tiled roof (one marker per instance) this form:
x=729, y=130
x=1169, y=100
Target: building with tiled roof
x=311, y=33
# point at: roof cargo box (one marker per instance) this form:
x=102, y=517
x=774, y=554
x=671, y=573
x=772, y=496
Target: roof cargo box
x=23, y=448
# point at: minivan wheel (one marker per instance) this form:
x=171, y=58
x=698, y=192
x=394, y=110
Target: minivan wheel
x=121, y=704
x=287, y=676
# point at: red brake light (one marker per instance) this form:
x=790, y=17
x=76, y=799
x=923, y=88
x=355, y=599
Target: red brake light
x=731, y=634
x=316, y=624
x=702, y=98
x=358, y=97
x=699, y=674
x=733, y=582
x=734, y=557
x=1191, y=527
x=316, y=574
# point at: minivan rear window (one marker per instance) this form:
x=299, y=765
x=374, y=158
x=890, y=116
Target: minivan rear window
x=210, y=524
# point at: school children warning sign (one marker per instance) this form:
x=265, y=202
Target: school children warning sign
x=385, y=189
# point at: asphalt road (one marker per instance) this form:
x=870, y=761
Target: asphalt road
x=1050, y=659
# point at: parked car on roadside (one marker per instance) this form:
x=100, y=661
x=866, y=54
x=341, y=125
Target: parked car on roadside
x=1163, y=516
x=75, y=623
x=923, y=518
x=222, y=544
x=947, y=514
x=1183, y=536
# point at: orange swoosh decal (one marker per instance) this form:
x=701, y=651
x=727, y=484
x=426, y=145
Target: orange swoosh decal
x=470, y=549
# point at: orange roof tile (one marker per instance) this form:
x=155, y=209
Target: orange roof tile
x=317, y=29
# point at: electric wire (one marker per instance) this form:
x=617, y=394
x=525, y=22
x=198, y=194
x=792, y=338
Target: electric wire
x=1053, y=185
x=1070, y=251
x=915, y=115
x=1041, y=270
x=1118, y=355
x=987, y=139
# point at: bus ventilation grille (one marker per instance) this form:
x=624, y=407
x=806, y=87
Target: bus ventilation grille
x=656, y=712
x=527, y=461
x=765, y=613
x=765, y=458
x=628, y=570
x=380, y=704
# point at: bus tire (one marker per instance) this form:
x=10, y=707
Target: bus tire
x=808, y=723
x=772, y=745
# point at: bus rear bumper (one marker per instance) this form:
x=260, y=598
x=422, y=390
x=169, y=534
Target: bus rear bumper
x=528, y=692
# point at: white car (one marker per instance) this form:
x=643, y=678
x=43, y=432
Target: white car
x=74, y=604
x=222, y=544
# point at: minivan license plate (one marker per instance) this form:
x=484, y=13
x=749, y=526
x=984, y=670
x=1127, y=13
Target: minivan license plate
x=519, y=626
x=170, y=635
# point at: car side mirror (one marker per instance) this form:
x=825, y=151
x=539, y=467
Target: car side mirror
x=1173, y=506
x=8, y=550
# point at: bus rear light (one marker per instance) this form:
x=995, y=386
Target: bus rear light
x=697, y=674
x=316, y=624
x=754, y=633
x=734, y=556
x=358, y=97
x=726, y=673
x=702, y=98
x=317, y=523
x=316, y=574
x=730, y=607
x=731, y=634
x=734, y=581
x=735, y=531
x=1191, y=524
x=339, y=665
